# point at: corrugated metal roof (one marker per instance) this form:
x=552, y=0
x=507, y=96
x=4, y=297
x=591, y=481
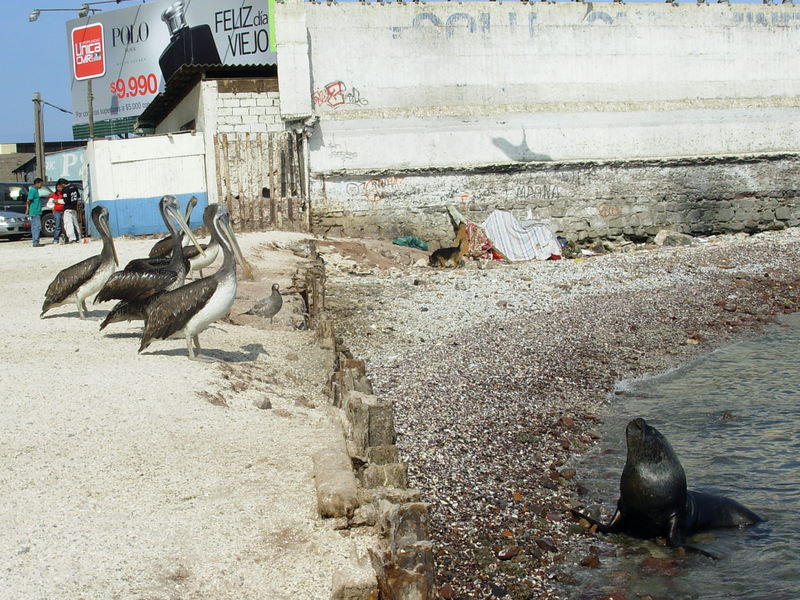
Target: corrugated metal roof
x=185, y=78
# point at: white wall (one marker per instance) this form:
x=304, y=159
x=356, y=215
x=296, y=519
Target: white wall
x=130, y=177
x=432, y=85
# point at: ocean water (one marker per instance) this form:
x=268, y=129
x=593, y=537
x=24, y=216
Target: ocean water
x=733, y=418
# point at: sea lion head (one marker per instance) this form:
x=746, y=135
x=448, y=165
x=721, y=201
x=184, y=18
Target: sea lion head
x=653, y=475
x=646, y=443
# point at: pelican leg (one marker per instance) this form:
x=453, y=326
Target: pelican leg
x=196, y=355
x=82, y=309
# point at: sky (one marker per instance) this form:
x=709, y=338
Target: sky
x=36, y=59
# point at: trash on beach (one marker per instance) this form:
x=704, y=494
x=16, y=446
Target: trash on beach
x=520, y=241
x=411, y=242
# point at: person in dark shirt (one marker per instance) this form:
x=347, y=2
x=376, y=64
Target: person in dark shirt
x=71, y=199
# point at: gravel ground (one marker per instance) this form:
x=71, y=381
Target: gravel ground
x=500, y=374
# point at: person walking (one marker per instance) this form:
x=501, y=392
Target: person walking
x=57, y=200
x=71, y=199
x=33, y=208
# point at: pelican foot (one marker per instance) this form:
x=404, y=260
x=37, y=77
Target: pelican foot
x=203, y=358
x=194, y=351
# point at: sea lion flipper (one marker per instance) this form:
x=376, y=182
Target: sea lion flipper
x=677, y=538
x=700, y=551
x=615, y=524
x=611, y=527
x=676, y=535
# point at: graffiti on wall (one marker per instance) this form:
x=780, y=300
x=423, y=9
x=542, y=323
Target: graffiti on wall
x=460, y=22
x=372, y=190
x=606, y=210
x=336, y=94
x=538, y=191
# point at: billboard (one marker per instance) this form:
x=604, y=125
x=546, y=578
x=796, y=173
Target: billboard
x=129, y=53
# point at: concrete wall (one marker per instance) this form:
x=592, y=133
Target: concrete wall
x=130, y=177
x=478, y=100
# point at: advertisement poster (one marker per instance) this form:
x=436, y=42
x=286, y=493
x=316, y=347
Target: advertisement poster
x=129, y=53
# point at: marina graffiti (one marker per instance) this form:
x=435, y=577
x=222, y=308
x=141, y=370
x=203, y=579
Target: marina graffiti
x=540, y=191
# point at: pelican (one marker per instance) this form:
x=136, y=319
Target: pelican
x=168, y=206
x=188, y=310
x=143, y=278
x=199, y=261
x=81, y=280
x=163, y=247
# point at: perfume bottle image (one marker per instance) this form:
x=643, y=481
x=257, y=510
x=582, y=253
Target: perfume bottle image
x=187, y=45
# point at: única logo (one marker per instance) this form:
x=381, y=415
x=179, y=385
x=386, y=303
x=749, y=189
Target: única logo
x=88, y=51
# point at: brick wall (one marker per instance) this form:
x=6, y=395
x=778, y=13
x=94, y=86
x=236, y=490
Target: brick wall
x=248, y=112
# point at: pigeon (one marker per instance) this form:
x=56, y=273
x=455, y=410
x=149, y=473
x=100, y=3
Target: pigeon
x=268, y=307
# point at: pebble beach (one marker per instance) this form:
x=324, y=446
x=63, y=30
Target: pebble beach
x=501, y=374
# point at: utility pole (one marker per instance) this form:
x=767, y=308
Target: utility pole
x=90, y=102
x=39, y=135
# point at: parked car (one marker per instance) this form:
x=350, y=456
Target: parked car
x=14, y=195
x=13, y=225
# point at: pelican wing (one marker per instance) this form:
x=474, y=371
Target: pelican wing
x=135, y=286
x=192, y=251
x=162, y=248
x=148, y=264
x=171, y=311
x=124, y=311
x=70, y=279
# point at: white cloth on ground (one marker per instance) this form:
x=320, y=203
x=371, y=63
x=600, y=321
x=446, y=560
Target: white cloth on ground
x=520, y=241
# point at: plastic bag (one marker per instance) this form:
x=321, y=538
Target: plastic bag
x=411, y=242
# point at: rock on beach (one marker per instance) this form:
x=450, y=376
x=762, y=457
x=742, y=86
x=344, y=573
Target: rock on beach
x=500, y=381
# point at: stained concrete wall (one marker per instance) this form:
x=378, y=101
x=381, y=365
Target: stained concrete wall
x=580, y=200
x=431, y=104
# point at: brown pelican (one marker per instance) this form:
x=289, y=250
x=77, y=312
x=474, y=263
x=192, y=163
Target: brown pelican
x=188, y=310
x=143, y=278
x=268, y=307
x=81, y=280
x=199, y=261
x=168, y=206
x=163, y=247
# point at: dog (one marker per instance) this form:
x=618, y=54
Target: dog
x=451, y=255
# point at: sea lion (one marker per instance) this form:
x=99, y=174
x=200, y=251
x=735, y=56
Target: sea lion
x=654, y=501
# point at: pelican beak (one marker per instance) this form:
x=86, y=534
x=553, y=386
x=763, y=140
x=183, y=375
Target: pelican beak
x=103, y=222
x=237, y=251
x=176, y=214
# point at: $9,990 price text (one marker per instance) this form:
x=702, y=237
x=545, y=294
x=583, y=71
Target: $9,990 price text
x=135, y=86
